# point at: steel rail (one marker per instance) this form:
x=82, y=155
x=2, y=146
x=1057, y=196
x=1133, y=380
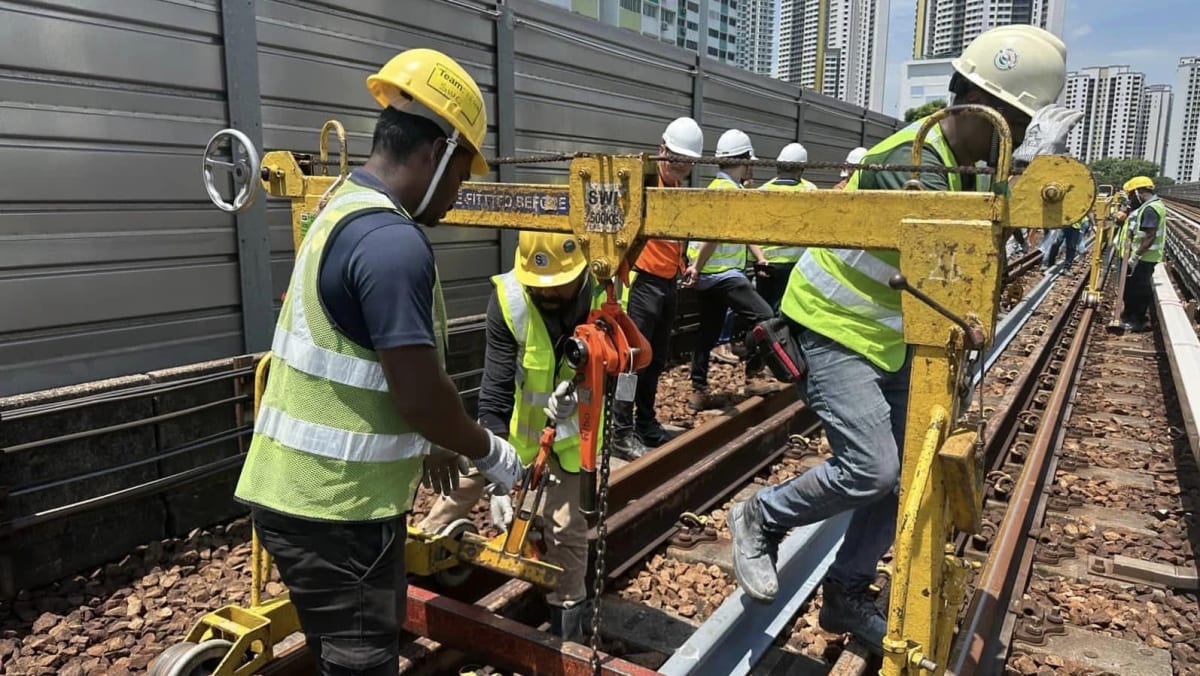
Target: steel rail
x=995, y=584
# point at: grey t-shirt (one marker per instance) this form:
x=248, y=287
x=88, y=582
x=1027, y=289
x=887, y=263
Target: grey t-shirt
x=377, y=276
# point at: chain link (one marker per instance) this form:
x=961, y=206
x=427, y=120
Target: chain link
x=743, y=162
x=602, y=524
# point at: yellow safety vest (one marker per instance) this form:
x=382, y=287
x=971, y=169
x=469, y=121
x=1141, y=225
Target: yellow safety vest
x=725, y=256
x=328, y=443
x=785, y=254
x=538, y=373
x=1155, y=252
x=843, y=294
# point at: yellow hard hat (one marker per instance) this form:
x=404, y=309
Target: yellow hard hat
x=437, y=82
x=1139, y=183
x=547, y=259
x=1025, y=66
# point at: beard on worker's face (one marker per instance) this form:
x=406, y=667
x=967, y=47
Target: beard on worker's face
x=547, y=304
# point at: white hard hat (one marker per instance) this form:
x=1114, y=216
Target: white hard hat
x=734, y=143
x=854, y=157
x=793, y=152
x=684, y=137
x=1020, y=64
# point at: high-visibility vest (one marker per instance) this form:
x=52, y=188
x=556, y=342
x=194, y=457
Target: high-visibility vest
x=328, y=443
x=1155, y=253
x=785, y=254
x=843, y=294
x=538, y=373
x=725, y=256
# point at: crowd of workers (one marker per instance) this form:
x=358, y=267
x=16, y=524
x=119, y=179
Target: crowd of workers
x=358, y=406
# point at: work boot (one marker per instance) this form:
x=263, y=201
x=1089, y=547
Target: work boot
x=755, y=551
x=703, y=401
x=566, y=622
x=844, y=611
x=627, y=446
x=724, y=354
x=656, y=435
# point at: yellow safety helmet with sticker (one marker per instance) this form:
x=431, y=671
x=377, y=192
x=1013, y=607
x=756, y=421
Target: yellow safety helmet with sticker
x=546, y=259
x=1138, y=183
x=428, y=83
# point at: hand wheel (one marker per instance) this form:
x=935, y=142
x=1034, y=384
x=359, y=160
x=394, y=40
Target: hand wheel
x=241, y=162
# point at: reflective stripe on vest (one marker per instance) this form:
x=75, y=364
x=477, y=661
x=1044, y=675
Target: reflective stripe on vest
x=1155, y=253
x=726, y=256
x=785, y=254
x=844, y=294
x=538, y=373
x=328, y=443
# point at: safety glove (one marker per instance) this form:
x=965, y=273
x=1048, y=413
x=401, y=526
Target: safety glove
x=501, y=465
x=563, y=403
x=501, y=507
x=1047, y=132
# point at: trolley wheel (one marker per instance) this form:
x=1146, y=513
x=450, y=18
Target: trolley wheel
x=191, y=659
x=456, y=575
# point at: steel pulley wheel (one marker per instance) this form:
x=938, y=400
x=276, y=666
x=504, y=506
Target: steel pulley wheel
x=229, y=151
x=191, y=659
x=456, y=575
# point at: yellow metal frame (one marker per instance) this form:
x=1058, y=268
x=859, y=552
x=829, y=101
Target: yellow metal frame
x=950, y=246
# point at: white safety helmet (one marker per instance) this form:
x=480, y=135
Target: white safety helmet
x=684, y=137
x=854, y=157
x=734, y=143
x=793, y=152
x=1022, y=65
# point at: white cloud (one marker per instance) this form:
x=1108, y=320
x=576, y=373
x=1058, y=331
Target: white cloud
x=1081, y=31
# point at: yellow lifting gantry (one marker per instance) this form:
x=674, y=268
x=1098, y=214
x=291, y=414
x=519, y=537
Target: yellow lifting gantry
x=951, y=257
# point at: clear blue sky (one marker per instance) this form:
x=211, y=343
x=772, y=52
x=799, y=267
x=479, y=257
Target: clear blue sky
x=1147, y=35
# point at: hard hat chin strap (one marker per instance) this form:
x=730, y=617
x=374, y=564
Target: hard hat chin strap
x=451, y=144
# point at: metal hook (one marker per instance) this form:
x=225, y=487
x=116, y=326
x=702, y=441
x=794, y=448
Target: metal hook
x=1003, y=162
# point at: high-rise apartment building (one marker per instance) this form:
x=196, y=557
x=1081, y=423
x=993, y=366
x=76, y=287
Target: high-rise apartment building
x=1156, y=122
x=1110, y=98
x=756, y=35
x=837, y=47
x=945, y=27
x=707, y=27
x=1182, y=164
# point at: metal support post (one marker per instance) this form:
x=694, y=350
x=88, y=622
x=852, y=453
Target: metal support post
x=245, y=114
x=506, y=118
x=698, y=105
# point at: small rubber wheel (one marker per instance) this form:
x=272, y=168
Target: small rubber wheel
x=200, y=660
x=166, y=660
x=457, y=575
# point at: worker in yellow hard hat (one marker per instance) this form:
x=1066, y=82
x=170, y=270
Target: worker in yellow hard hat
x=1147, y=233
x=533, y=310
x=358, y=396
x=846, y=319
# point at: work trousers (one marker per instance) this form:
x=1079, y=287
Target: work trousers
x=347, y=583
x=1068, y=236
x=863, y=409
x=566, y=541
x=1139, y=294
x=773, y=287
x=651, y=306
x=737, y=294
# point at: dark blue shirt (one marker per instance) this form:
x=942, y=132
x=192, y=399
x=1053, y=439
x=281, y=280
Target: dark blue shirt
x=376, y=279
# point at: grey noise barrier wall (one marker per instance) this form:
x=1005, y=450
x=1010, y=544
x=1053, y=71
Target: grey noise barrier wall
x=116, y=268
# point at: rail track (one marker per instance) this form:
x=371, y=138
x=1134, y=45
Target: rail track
x=671, y=595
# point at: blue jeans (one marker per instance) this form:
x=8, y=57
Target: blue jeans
x=1068, y=236
x=863, y=409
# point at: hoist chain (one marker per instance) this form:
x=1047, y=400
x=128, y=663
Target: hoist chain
x=602, y=523
x=736, y=162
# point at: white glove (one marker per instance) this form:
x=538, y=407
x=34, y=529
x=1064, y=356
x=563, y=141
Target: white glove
x=1133, y=261
x=501, y=507
x=501, y=465
x=563, y=403
x=1047, y=132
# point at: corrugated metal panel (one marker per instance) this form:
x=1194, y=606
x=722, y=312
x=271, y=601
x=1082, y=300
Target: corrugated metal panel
x=113, y=262
x=111, y=259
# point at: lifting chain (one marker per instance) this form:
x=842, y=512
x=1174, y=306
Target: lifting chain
x=737, y=162
x=601, y=524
